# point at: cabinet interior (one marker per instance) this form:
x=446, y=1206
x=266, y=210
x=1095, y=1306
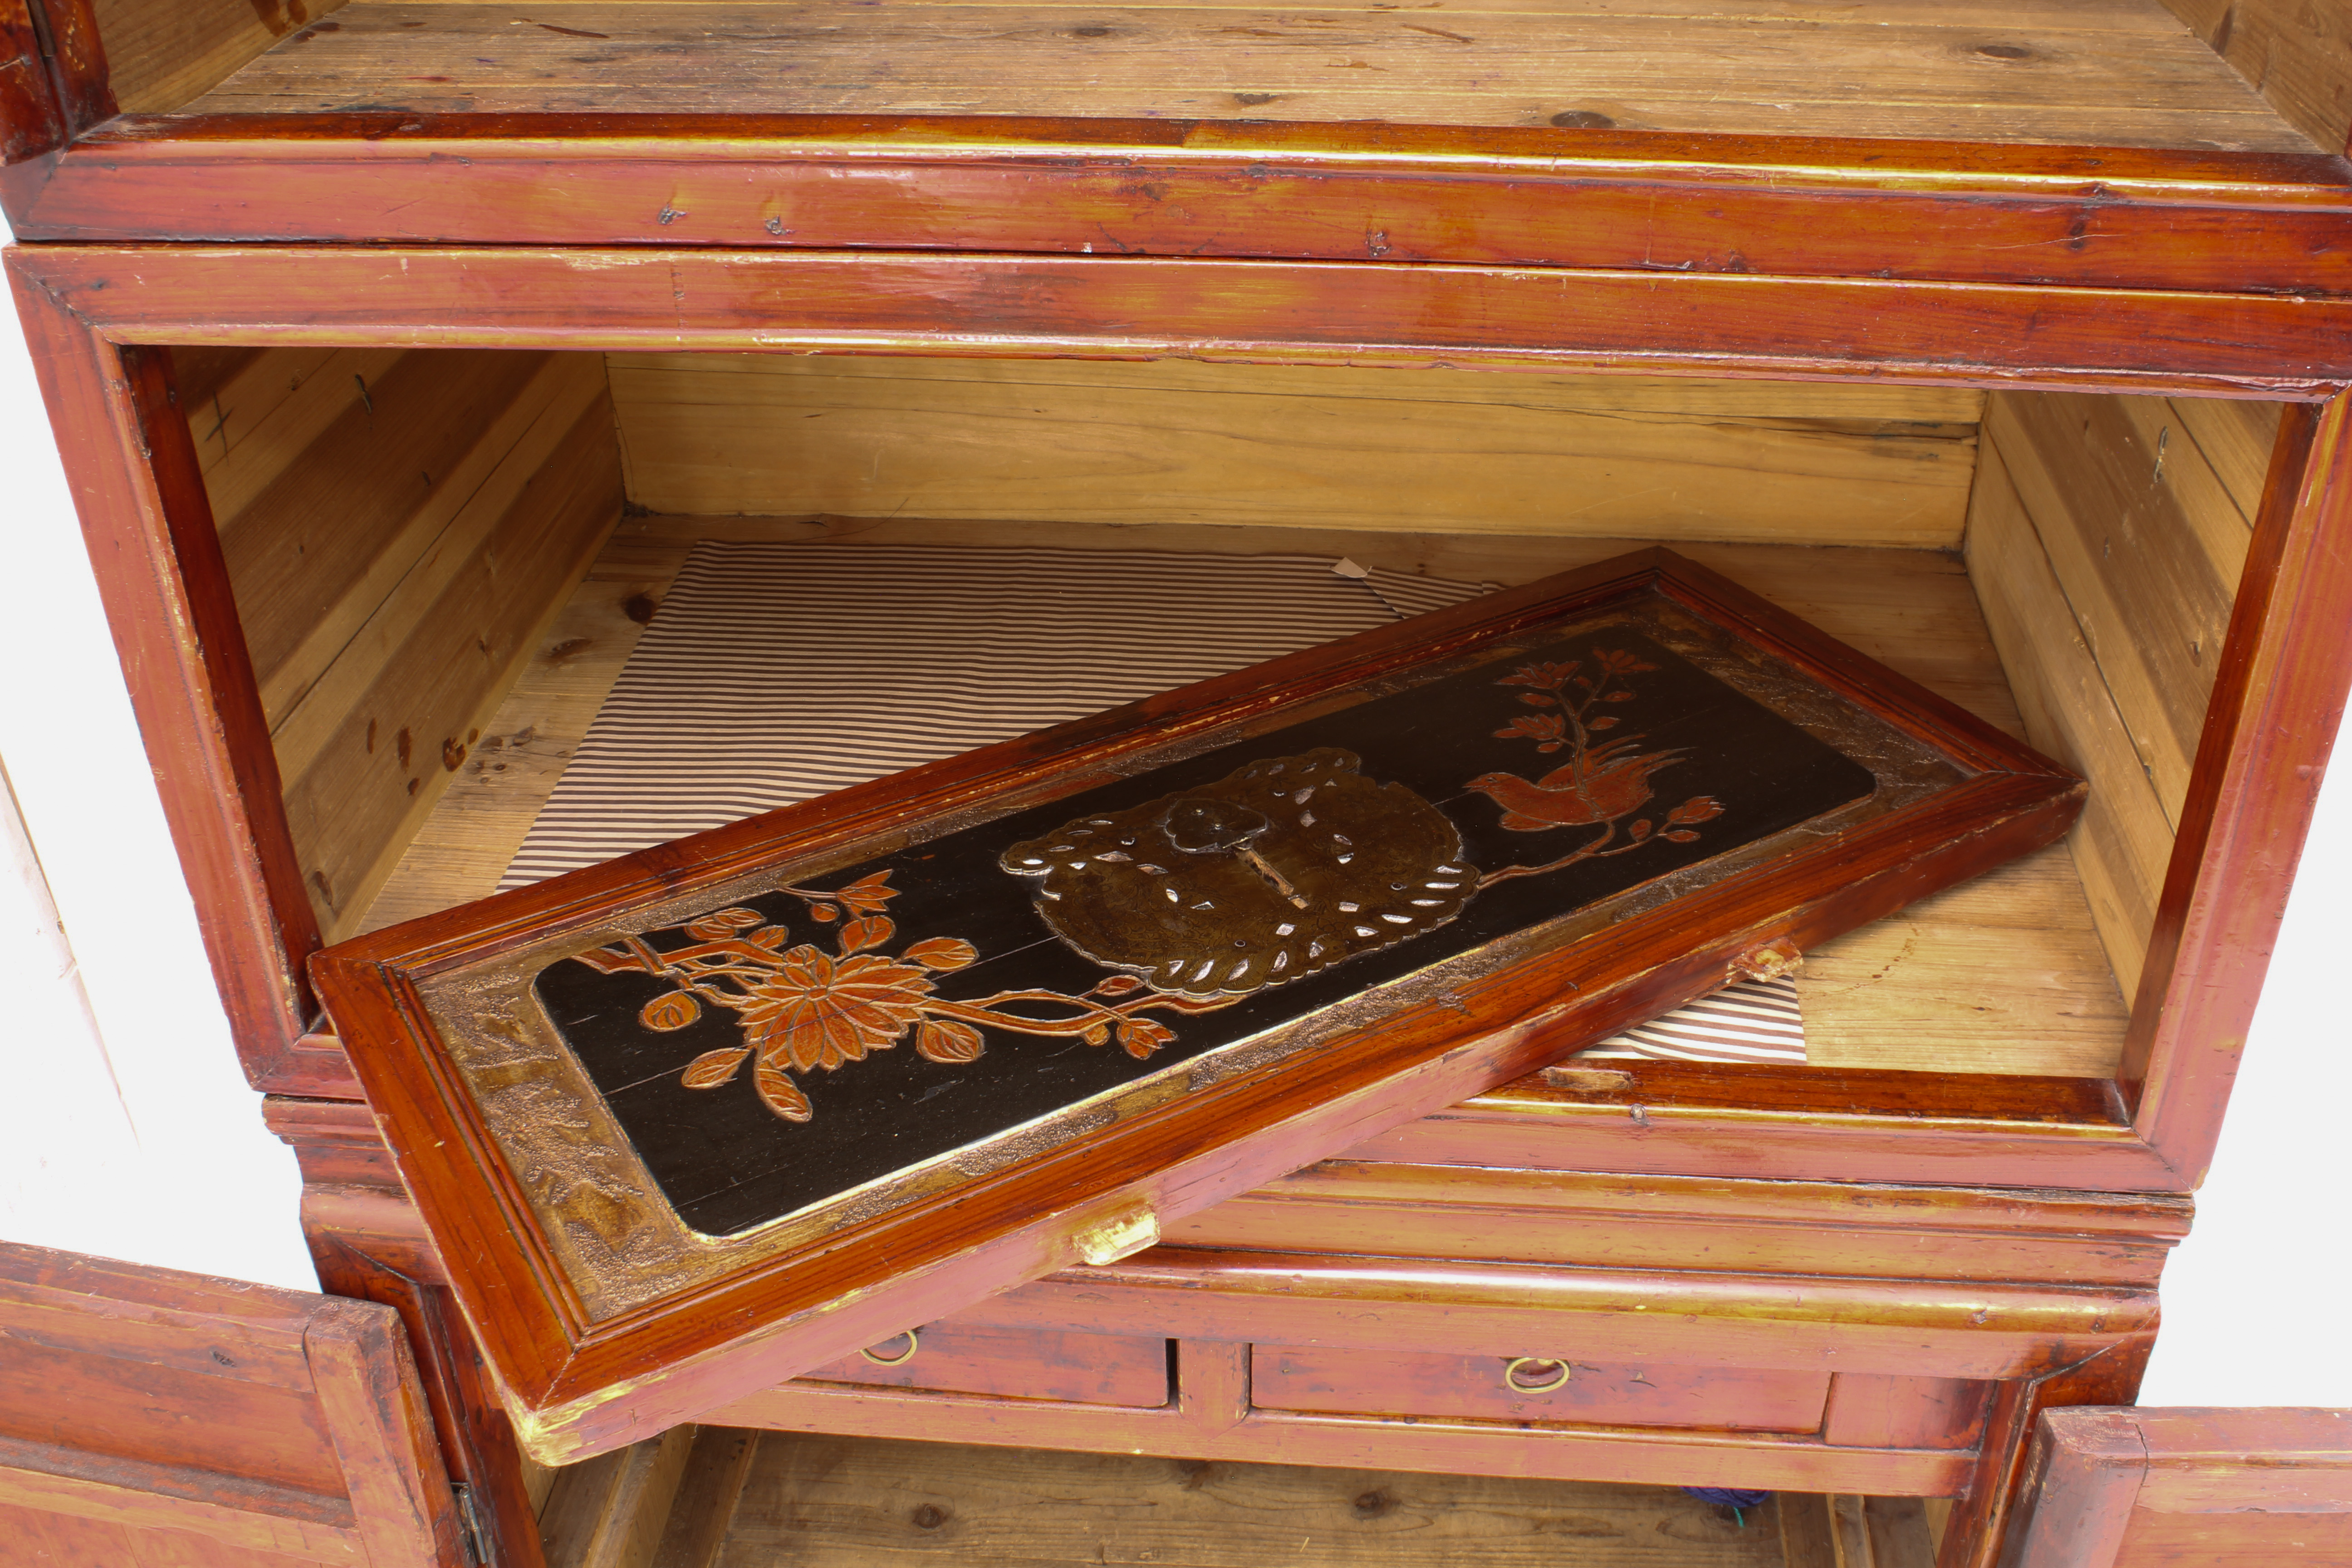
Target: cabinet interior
x=2252, y=75
x=442, y=558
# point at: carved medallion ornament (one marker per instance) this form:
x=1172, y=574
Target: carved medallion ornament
x=1279, y=870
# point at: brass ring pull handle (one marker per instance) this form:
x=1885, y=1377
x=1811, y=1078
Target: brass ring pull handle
x=913, y=1344
x=1516, y=1379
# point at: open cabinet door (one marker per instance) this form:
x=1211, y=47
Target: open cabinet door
x=155, y=1419
x=2186, y=1489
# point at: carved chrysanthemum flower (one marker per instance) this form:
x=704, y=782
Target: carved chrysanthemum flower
x=820, y=1011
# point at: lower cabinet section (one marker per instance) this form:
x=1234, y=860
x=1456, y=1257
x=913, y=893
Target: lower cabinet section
x=1797, y=1337
x=956, y=1358
x=1535, y=1389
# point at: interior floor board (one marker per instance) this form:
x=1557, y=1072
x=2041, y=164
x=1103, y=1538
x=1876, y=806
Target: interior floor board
x=814, y=1501
x=2123, y=72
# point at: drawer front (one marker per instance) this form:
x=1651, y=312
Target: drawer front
x=947, y=1358
x=1533, y=1388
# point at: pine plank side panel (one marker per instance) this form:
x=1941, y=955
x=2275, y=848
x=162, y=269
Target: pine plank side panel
x=346, y=518
x=2122, y=842
x=1175, y=442
x=438, y=668
x=2148, y=550
x=2298, y=55
x=164, y=52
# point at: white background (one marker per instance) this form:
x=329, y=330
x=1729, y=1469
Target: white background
x=126, y=1128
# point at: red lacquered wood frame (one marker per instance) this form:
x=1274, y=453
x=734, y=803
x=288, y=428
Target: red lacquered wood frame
x=1641, y=201
x=2173, y=1489
x=2279, y=695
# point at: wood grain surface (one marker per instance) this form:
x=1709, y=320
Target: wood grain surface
x=2110, y=73
x=162, y=53
x=1427, y=451
x=820, y=1500
x=375, y=513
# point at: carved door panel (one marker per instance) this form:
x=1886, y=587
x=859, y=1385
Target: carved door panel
x=155, y=1419
x=2121, y=1488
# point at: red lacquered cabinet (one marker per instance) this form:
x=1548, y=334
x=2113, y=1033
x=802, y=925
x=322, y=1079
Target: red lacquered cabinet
x=401, y=351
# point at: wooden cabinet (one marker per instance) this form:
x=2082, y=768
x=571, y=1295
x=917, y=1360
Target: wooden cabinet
x=165, y=1420
x=399, y=350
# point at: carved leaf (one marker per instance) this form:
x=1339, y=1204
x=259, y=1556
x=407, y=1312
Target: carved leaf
x=1641, y=829
x=1142, y=1036
x=941, y=953
x=1537, y=699
x=870, y=893
x=872, y=931
x=1680, y=835
x=1619, y=696
x=672, y=1010
x=1117, y=986
x=944, y=1040
x=824, y=913
x=780, y=1093
x=1697, y=808
x=724, y=923
x=712, y=1068
x=1604, y=722
x=1097, y=1034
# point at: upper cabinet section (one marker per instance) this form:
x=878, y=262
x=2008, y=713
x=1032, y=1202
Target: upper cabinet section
x=2095, y=142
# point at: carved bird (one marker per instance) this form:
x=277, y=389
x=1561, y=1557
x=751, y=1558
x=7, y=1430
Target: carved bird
x=1606, y=785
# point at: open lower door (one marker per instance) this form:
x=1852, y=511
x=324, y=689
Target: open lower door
x=155, y=1419
x=2172, y=1488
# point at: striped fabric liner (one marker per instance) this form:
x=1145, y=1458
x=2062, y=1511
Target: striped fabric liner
x=776, y=672
x=1749, y=1021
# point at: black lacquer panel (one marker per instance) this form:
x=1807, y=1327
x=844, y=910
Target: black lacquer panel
x=798, y=1045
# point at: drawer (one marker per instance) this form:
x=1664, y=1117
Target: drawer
x=1533, y=1388
x=947, y=1358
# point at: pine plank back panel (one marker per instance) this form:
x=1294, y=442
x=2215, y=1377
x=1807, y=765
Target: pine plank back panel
x=1178, y=442
x=185, y=1422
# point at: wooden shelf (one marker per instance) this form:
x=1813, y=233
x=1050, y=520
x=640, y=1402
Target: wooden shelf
x=2005, y=975
x=2092, y=72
